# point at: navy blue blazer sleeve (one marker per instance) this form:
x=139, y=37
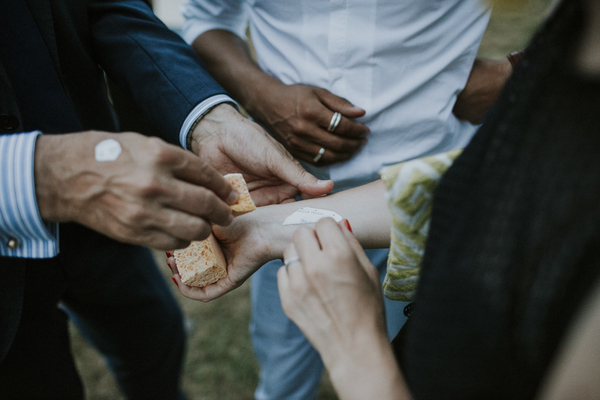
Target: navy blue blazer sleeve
x=162, y=73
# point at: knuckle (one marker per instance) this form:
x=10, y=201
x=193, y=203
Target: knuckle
x=294, y=141
x=137, y=216
x=306, y=110
x=158, y=151
x=148, y=186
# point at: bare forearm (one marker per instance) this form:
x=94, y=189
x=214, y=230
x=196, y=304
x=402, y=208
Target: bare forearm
x=227, y=59
x=364, y=207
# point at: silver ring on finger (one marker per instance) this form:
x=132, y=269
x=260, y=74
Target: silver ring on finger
x=318, y=156
x=286, y=263
x=334, y=122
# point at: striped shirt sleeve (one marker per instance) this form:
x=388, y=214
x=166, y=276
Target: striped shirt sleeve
x=197, y=113
x=22, y=231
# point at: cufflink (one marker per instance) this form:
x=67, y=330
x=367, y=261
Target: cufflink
x=12, y=243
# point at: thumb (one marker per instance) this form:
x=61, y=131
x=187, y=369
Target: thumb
x=289, y=170
x=339, y=104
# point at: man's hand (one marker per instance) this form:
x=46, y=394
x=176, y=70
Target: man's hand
x=232, y=143
x=485, y=83
x=153, y=194
x=298, y=117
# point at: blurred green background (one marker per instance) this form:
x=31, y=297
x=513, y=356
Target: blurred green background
x=220, y=363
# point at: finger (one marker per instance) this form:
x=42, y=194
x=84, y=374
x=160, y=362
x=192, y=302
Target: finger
x=330, y=235
x=266, y=194
x=283, y=165
x=194, y=170
x=307, y=151
x=333, y=142
x=172, y=265
x=183, y=226
x=339, y=104
x=198, y=201
x=345, y=128
x=293, y=268
x=160, y=240
x=306, y=244
x=359, y=252
x=350, y=129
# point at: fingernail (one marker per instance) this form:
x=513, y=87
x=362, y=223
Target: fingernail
x=168, y=254
x=348, y=225
x=233, y=197
x=175, y=281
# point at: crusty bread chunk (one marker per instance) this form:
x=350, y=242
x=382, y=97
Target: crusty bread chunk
x=201, y=263
x=244, y=203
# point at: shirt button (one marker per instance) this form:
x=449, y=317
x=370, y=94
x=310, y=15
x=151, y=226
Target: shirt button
x=8, y=122
x=12, y=243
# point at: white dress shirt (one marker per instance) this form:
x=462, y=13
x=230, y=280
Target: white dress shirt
x=403, y=61
x=23, y=233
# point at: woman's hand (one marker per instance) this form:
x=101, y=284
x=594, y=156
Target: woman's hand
x=248, y=243
x=332, y=292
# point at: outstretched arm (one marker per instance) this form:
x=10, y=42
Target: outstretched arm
x=260, y=236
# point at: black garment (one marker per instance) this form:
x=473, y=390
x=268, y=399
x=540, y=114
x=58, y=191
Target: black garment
x=514, y=245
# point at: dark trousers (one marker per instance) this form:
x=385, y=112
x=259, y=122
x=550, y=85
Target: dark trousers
x=120, y=302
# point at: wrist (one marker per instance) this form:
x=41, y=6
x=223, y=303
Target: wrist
x=270, y=220
x=262, y=97
x=367, y=370
x=213, y=124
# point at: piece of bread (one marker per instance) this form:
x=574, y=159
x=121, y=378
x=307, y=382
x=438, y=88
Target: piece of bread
x=244, y=203
x=202, y=262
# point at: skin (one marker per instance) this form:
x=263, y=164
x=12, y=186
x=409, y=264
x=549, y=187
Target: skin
x=486, y=81
x=258, y=237
x=296, y=115
x=332, y=292
x=159, y=195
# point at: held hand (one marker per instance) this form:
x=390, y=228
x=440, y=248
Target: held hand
x=332, y=292
x=246, y=244
x=232, y=143
x=299, y=116
x=483, y=87
x=154, y=194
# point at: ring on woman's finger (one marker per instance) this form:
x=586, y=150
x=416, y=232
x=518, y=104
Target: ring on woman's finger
x=334, y=122
x=318, y=156
x=286, y=263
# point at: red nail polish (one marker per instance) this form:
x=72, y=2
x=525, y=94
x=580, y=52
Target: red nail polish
x=348, y=225
x=168, y=254
x=175, y=282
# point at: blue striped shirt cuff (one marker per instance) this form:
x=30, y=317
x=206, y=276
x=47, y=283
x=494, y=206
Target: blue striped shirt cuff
x=20, y=220
x=198, y=112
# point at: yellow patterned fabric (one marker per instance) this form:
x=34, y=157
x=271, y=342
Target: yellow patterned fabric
x=410, y=188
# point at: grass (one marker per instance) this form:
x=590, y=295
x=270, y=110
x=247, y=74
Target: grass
x=220, y=363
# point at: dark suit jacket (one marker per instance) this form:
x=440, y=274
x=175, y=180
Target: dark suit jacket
x=86, y=39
